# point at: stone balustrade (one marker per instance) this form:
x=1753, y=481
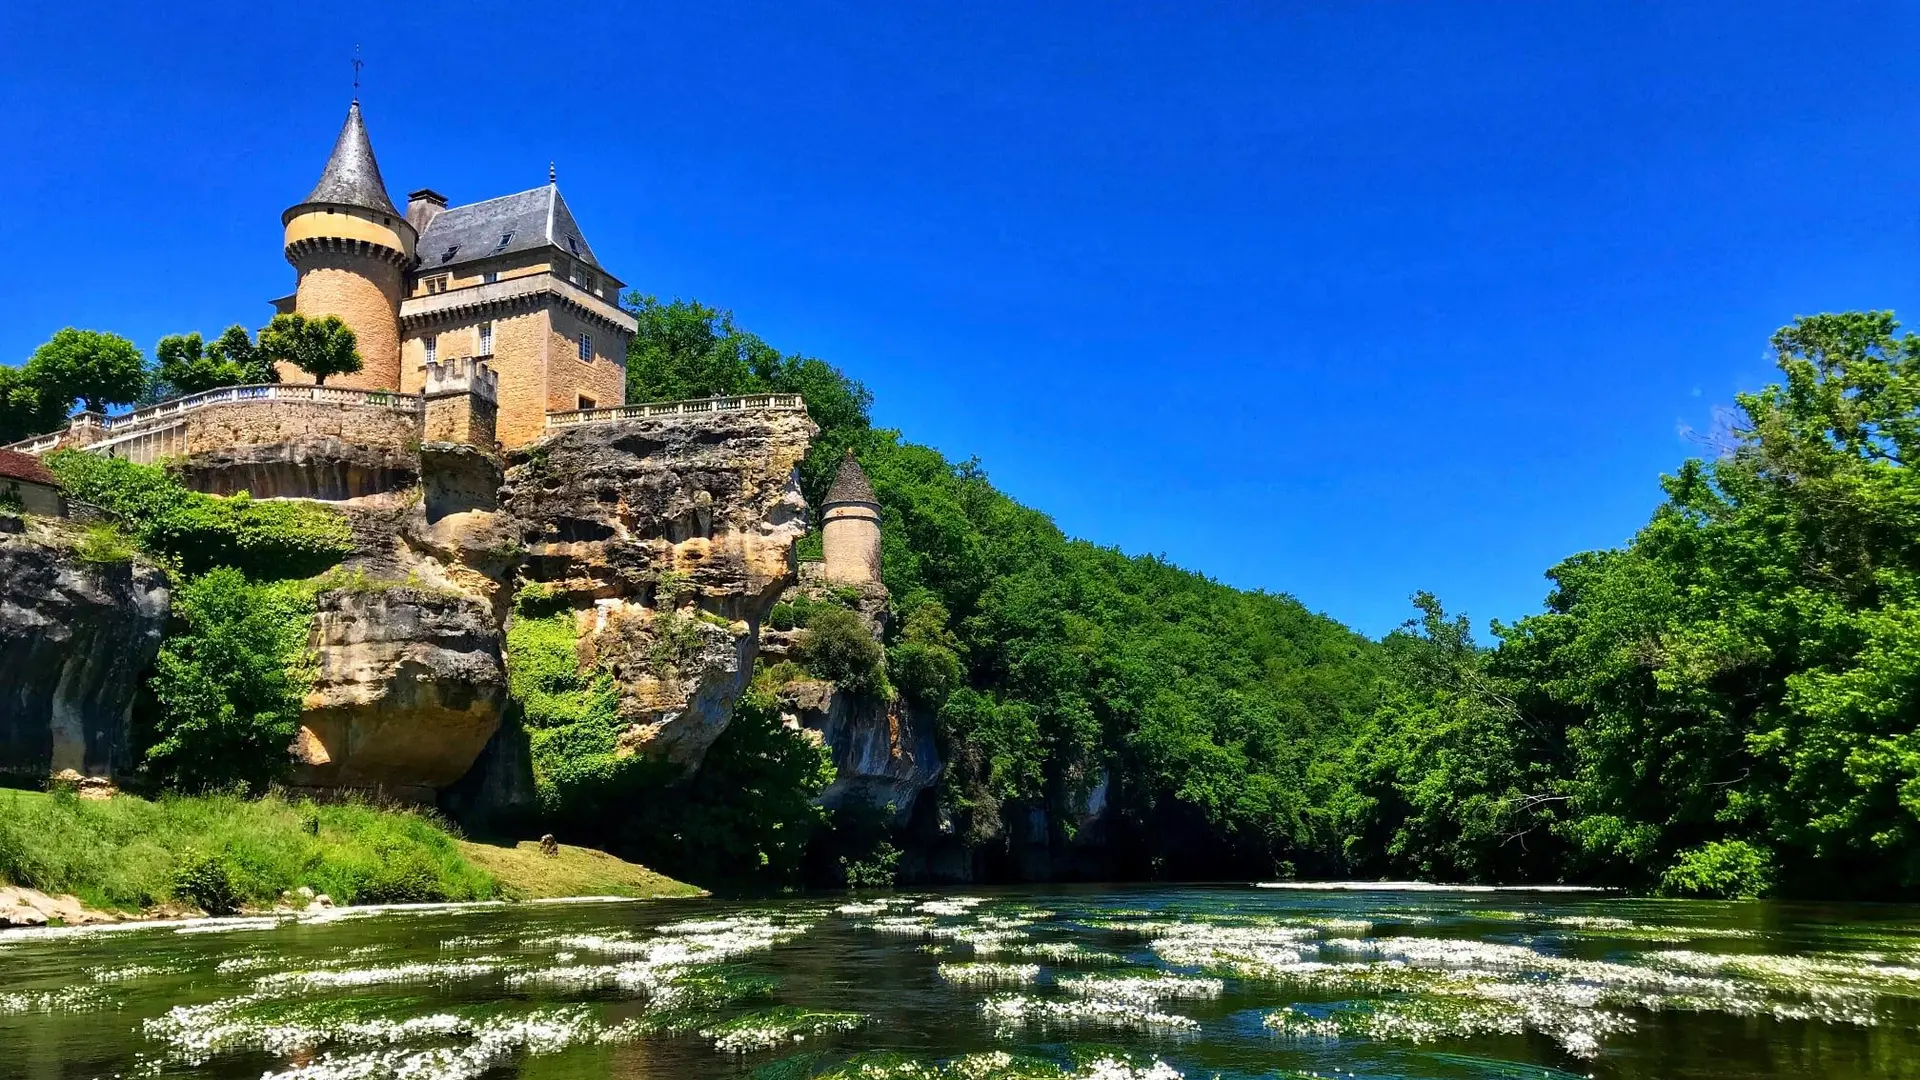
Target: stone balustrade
x=695, y=407
x=89, y=429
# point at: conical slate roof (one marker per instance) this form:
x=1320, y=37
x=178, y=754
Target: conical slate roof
x=850, y=483
x=352, y=177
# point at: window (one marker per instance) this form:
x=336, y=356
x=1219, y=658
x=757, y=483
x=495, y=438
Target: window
x=490, y=277
x=587, y=282
x=586, y=346
x=587, y=402
x=573, y=273
x=433, y=349
x=573, y=244
x=505, y=239
x=486, y=339
x=437, y=283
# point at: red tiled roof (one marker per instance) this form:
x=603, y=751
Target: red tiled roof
x=15, y=465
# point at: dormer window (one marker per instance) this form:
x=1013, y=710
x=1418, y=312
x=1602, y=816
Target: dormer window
x=505, y=239
x=447, y=256
x=573, y=244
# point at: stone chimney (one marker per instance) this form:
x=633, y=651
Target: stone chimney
x=462, y=402
x=423, y=206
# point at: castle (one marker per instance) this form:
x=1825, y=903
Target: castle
x=508, y=282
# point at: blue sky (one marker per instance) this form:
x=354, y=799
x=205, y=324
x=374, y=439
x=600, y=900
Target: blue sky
x=1341, y=300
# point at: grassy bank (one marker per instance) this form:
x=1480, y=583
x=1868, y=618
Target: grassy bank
x=526, y=873
x=218, y=852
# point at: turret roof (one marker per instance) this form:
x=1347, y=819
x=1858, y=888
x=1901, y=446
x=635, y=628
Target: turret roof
x=850, y=483
x=526, y=220
x=352, y=177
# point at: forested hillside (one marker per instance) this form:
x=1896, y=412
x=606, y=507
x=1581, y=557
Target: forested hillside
x=1724, y=706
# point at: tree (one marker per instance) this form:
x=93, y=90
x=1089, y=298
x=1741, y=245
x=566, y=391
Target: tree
x=99, y=369
x=184, y=365
x=320, y=347
x=27, y=406
x=235, y=346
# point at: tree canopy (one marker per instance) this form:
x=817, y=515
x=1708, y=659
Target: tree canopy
x=320, y=346
x=98, y=369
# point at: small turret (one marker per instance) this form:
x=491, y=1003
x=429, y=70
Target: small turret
x=850, y=529
x=351, y=250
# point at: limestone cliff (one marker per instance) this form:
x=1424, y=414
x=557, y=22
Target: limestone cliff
x=885, y=752
x=670, y=537
x=667, y=537
x=76, y=639
x=408, y=687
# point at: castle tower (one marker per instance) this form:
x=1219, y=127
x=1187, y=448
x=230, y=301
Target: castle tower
x=352, y=251
x=850, y=532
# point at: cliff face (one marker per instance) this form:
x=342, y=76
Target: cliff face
x=670, y=537
x=76, y=639
x=884, y=754
x=408, y=687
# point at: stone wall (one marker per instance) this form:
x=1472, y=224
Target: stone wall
x=286, y=449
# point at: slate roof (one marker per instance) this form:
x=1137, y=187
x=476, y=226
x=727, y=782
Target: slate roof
x=527, y=220
x=15, y=465
x=850, y=483
x=352, y=176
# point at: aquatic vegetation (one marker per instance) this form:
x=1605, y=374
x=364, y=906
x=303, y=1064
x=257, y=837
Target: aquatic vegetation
x=989, y=974
x=1060, y=952
x=1008, y=1010
x=64, y=1000
x=767, y=1028
x=490, y=1044
x=1249, y=952
x=1140, y=989
x=308, y=981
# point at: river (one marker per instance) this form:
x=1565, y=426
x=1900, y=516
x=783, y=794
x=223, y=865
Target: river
x=1113, y=983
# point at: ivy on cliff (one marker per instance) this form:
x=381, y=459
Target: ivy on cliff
x=194, y=532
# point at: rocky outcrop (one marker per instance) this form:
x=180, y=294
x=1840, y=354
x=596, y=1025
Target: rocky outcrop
x=884, y=753
x=76, y=640
x=408, y=688
x=670, y=537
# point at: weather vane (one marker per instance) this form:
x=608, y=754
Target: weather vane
x=357, y=65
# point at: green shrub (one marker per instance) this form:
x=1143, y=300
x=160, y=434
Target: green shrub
x=782, y=617
x=1722, y=869
x=228, y=684
x=878, y=871
x=205, y=882
x=839, y=647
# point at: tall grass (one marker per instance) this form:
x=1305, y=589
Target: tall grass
x=129, y=853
